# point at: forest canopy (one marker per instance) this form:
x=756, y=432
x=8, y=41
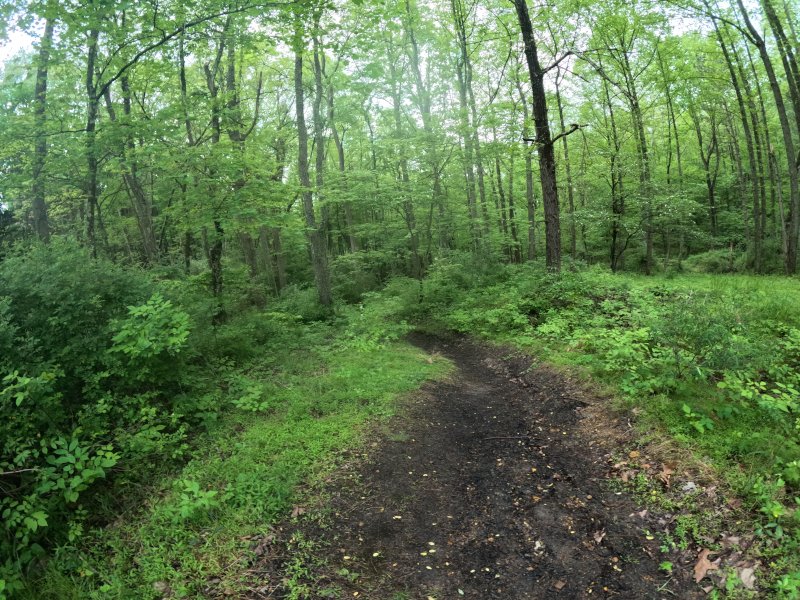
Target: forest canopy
x=641, y=133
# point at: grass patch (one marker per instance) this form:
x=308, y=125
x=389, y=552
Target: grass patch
x=193, y=532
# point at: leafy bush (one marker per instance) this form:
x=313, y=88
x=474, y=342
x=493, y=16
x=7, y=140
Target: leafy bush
x=88, y=372
x=713, y=261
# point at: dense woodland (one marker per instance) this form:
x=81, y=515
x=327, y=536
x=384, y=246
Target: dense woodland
x=186, y=184
x=378, y=136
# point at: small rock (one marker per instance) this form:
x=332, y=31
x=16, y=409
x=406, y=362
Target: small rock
x=160, y=586
x=689, y=487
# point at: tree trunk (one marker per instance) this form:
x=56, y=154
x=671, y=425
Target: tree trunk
x=617, y=198
x=750, y=141
x=791, y=157
x=91, y=145
x=319, y=140
x=547, y=160
x=409, y=215
x=348, y=206
x=41, y=224
x=423, y=98
x=469, y=163
x=530, y=199
x=516, y=254
x=319, y=259
x=573, y=242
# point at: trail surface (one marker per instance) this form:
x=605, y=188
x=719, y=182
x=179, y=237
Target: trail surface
x=490, y=485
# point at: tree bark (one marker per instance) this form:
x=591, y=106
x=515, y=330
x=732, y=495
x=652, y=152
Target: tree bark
x=791, y=157
x=544, y=144
x=41, y=224
x=530, y=198
x=91, y=142
x=573, y=240
x=319, y=259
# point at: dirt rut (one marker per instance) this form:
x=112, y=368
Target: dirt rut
x=490, y=485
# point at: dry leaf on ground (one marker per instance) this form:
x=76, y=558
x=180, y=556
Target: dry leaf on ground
x=703, y=565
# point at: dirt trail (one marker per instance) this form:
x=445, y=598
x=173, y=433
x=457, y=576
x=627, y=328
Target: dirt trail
x=491, y=485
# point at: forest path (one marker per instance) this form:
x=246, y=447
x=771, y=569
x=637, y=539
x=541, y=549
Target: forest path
x=492, y=484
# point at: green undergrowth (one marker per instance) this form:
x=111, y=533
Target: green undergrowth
x=145, y=448
x=710, y=362
x=194, y=534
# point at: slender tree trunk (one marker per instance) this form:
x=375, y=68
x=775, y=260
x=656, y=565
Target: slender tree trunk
x=764, y=150
x=530, y=199
x=573, y=241
x=791, y=157
x=187, y=252
x=516, y=254
x=409, y=215
x=41, y=224
x=279, y=259
x=265, y=258
x=753, y=143
x=140, y=201
x=216, y=243
x=705, y=159
x=787, y=58
x=645, y=183
x=544, y=143
x=469, y=163
x=319, y=259
x=477, y=142
x=319, y=140
x=468, y=106
x=348, y=206
x=423, y=98
x=91, y=142
x=617, y=198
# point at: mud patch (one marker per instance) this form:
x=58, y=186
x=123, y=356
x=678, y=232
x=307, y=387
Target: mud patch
x=490, y=485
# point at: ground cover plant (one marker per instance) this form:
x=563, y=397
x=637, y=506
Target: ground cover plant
x=211, y=428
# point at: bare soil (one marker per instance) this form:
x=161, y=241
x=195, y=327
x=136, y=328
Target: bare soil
x=494, y=484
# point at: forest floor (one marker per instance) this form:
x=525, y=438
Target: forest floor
x=495, y=483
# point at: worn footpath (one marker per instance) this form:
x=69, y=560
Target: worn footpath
x=492, y=484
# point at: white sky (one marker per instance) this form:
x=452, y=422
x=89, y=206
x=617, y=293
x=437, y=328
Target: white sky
x=17, y=40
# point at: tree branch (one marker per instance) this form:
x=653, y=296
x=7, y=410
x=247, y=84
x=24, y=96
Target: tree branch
x=573, y=128
x=175, y=33
x=549, y=68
